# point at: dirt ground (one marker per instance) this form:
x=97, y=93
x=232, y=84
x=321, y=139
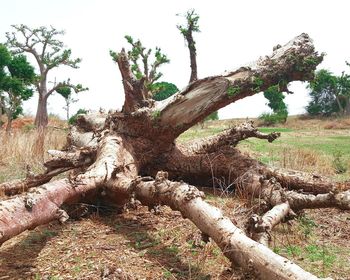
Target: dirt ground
x=139, y=244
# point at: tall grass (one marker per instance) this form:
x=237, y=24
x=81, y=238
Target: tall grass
x=27, y=148
x=305, y=160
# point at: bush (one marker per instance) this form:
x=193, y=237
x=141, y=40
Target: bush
x=274, y=118
x=73, y=119
x=163, y=90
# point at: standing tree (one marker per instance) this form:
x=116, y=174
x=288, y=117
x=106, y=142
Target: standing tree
x=49, y=53
x=16, y=79
x=329, y=94
x=187, y=31
x=66, y=93
x=119, y=156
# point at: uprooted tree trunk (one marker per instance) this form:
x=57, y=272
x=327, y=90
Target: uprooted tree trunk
x=133, y=155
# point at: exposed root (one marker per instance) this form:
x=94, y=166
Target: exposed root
x=230, y=137
x=22, y=185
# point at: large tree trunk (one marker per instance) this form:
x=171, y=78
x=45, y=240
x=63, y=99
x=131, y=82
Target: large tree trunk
x=41, y=117
x=119, y=156
x=9, y=123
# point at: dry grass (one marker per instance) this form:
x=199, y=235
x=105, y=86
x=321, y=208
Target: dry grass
x=166, y=246
x=27, y=148
x=302, y=159
x=294, y=122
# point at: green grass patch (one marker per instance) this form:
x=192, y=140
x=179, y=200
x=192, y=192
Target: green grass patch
x=274, y=129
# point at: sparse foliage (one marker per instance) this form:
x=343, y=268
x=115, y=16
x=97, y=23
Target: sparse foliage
x=191, y=26
x=142, y=65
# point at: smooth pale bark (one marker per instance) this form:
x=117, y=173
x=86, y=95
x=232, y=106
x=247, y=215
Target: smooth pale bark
x=92, y=121
x=284, y=203
x=78, y=138
x=260, y=227
x=240, y=249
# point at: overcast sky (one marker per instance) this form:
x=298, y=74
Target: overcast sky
x=232, y=34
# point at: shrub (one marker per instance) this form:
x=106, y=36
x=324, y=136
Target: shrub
x=73, y=119
x=273, y=118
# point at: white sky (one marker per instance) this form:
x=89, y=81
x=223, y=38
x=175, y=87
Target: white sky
x=233, y=33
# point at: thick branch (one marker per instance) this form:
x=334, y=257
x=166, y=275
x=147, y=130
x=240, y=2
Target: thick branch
x=230, y=137
x=296, y=60
x=91, y=122
x=306, y=182
x=284, y=203
x=232, y=168
x=260, y=227
x=133, y=88
x=22, y=185
x=33, y=209
x=82, y=157
x=41, y=204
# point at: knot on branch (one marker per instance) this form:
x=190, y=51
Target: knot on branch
x=273, y=136
x=192, y=193
x=62, y=216
x=29, y=202
x=161, y=177
x=273, y=192
x=256, y=224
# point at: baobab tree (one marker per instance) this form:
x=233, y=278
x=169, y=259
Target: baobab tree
x=45, y=46
x=132, y=154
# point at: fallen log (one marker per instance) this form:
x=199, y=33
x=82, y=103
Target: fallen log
x=121, y=153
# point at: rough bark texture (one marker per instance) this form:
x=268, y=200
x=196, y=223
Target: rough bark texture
x=117, y=157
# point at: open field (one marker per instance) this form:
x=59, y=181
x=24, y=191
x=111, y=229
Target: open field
x=141, y=245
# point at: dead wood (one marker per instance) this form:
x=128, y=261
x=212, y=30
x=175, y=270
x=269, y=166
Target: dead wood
x=22, y=185
x=119, y=155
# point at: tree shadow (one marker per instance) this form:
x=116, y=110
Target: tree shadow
x=17, y=261
x=151, y=248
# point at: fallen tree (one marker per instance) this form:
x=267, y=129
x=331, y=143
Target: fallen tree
x=133, y=154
